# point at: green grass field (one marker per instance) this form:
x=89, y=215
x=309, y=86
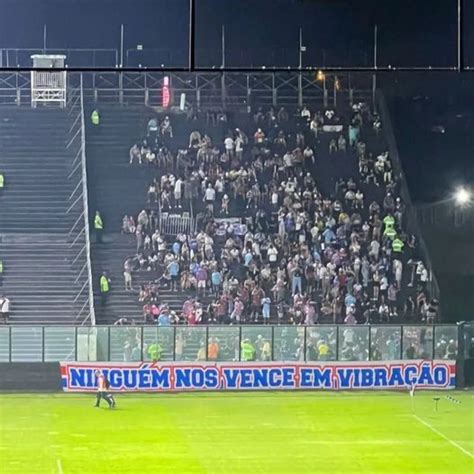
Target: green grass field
x=238, y=433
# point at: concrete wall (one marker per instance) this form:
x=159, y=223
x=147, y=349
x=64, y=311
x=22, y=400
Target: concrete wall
x=30, y=376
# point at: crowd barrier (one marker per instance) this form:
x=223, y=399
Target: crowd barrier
x=275, y=343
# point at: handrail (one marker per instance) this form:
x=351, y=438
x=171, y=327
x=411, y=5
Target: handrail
x=86, y=208
x=79, y=244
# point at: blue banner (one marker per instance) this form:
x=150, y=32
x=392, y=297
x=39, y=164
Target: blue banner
x=164, y=377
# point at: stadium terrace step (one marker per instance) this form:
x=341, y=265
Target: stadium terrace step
x=40, y=275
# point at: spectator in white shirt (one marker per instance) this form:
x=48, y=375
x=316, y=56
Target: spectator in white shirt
x=4, y=308
x=210, y=197
x=178, y=192
x=308, y=154
x=229, y=147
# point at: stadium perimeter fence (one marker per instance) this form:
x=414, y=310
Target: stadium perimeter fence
x=191, y=343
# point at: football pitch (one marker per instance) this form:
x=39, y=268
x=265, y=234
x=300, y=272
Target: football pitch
x=272, y=432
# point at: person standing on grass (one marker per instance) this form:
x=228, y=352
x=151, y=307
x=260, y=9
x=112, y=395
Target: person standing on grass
x=102, y=390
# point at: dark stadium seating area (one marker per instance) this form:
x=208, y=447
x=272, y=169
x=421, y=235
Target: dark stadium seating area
x=310, y=195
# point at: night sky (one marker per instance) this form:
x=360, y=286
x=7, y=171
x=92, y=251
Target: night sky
x=265, y=32
x=411, y=32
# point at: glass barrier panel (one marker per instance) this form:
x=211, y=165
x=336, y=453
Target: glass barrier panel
x=5, y=344
x=190, y=343
x=158, y=343
x=27, y=344
x=288, y=343
x=59, y=343
x=321, y=343
x=256, y=343
x=353, y=343
x=223, y=344
x=446, y=342
x=125, y=344
x=469, y=340
x=417, y=342
x=385, y=342
x=92, y=343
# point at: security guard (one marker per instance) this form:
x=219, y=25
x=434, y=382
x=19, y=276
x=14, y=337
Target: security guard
x=104, y=284
x=95, y=117
x=389, y=221
x=248, y=351
x=390, y=232
x=98, y=227
x=397, y=245
x=154, y=351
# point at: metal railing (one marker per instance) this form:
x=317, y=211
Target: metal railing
x=173, y=224
x=79, y=243
x=191, y=343
x=204, y=90
x=446, y=214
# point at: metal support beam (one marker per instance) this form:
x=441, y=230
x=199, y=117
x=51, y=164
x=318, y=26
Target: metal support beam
x=121, y=44
x=223, y=85
x=192, y=24
x=300, y=76
x=460, y=62
x=375, y=45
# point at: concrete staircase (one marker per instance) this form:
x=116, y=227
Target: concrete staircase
x=110, y=257
x=39, y=276
x=116, y=188
x=32, y=158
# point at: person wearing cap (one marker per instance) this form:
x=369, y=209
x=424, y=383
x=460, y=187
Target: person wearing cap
x=102, y=390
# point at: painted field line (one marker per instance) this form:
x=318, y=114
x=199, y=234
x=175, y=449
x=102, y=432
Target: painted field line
x=60, y=466
x=450, y=441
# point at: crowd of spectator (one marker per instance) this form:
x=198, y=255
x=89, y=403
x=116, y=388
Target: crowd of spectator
x=279, y=237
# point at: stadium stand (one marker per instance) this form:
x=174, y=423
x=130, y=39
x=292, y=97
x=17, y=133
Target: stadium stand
x=41, y=271
x=350, y=181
